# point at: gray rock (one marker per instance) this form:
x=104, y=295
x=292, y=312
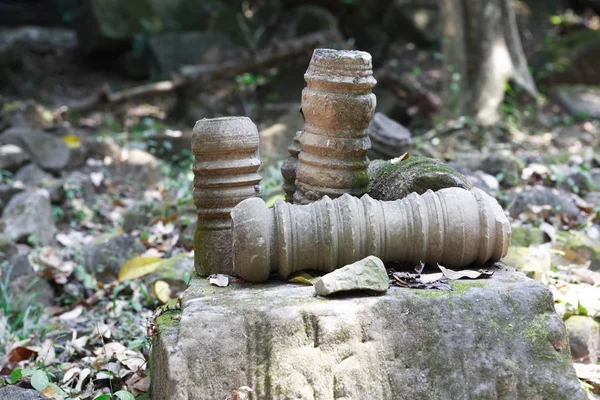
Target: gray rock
x=79, y=185
x=366, y=274
x=47, y=151
x=170, y=51
x=12, y=392
x=580, y=101
x=104, y=256
x=486, y=339
x=12, y=157
x=584, y=338
x=526, y=235
x=29, y=213
x=137, y=167
x=395, y=179
x=25, y=287
x=32, y=175
x=7, y=249
x=7, y=191
x=543, y=196
x=579, y=182
x=138, y=216
x=486, y=182
x=389, y=139
x=502, y=164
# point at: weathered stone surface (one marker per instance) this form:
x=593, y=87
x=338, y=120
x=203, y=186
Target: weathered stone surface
x=170, y=51
x=584, y=338
x=32, y=175
x=12, y=157
x=366, y=274
x=12, y=392
x=7, y=249
x=535, y=260
x=580, y=101
x=29, y=214
x=47, y=151
x=502, y=164
x=187, y=234
x=486, y=339
x=225, y=173
x=137, y=167
x=526, y=235
x=337, y=105
x=288, y=168
x=543, y=196
x=486, y=182
x=453, y=227
x=389, y=139
x=25, y=287
x=104, y=256
x=396, y=179
x=583, y=245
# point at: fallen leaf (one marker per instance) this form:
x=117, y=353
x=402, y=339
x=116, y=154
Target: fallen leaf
x=163, y=291
x=81, y=379
x=71, y=315
x=470, y=274
x=138, y=266
x=302, y=278
x=39, y=380
x=72, y=141
x=46, y=354
x=97, y=178
x=20, y=353
x=220, y=280
x=101, y=330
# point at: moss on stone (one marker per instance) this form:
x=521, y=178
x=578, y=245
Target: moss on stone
x=393, y=180
x=526, y=235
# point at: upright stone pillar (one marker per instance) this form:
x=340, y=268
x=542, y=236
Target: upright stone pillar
x=288, y=168
x=225, y=173
x=337, y=104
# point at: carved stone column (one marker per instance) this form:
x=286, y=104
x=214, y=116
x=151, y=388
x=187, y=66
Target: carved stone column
x=337, y=104
x=225, y=173
x=288, y=168
x=454, y=227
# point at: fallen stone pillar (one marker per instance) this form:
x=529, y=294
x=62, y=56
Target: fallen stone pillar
x=453, y=227
x=497, y=338
x=337, y=105
x=225, y=173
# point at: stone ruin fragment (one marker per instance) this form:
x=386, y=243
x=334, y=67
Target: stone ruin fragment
x=225, y=173
x=337, y=105
x=454, y=227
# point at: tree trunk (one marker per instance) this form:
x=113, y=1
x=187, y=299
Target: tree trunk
x=482, y=51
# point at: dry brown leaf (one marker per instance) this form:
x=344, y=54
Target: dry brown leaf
x=469, y=274
x=20, y=353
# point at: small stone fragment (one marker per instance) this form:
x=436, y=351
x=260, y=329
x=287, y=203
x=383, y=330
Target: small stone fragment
x=12, y=157
x=397, y=178
x=28, y=216
x=32, y=175
x=584, y=338
x=587, y=248
x=389, y=139
x=366, y=274
x=12, y=392
x=47, y=151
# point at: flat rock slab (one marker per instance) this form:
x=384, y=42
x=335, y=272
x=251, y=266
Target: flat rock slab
x=498, y=338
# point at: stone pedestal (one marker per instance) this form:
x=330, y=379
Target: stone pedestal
x=498, y=338
x=225, y=173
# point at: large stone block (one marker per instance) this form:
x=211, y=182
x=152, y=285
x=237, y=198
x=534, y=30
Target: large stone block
x=486, y=339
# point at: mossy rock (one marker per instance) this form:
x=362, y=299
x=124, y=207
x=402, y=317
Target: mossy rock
x=526, y=235
x=581, y=244
x=394, y=179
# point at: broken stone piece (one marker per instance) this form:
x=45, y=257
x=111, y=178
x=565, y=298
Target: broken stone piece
x=288, y=168
x=389, y=139
x=366, y=274
x=397, y=178
x=337, y=105
x=225, y=173
x=454, y=227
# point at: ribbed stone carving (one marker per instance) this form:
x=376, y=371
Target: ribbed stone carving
x=337, y=104
x=288, y=168
x=225, y=173
x=454, y=227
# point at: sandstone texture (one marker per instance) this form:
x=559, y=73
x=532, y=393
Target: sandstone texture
x=498, y=338
x=366, y=274
x=227, y=159
x=337, y=105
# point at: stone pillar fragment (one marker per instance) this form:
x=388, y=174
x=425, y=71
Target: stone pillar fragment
x=454, y=227
x=337, y=104
x=225, y=173
x=288, y=168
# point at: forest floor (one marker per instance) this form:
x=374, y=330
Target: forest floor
x=123, y=217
